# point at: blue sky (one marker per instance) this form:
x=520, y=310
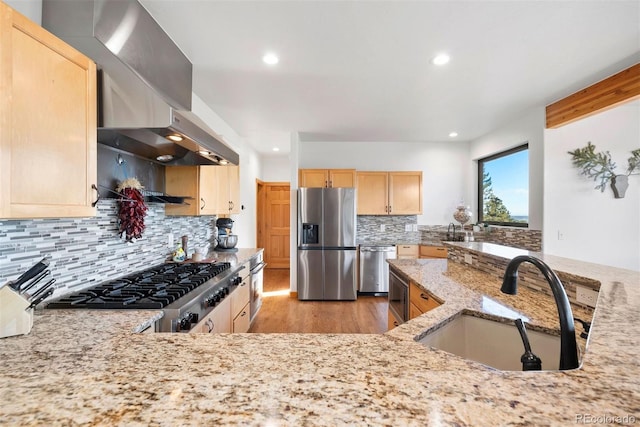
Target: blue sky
x=510, y=181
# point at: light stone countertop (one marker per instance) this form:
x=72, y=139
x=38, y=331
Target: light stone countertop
x=87, y=367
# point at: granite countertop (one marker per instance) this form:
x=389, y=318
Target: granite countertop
x=87, y=367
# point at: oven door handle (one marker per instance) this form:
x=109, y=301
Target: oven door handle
x=258, y=268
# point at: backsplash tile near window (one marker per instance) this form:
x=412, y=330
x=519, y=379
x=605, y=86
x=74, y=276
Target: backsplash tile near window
x=370, y=229
x=86, y=251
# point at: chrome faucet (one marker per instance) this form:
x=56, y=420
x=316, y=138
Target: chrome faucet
x=568, y=348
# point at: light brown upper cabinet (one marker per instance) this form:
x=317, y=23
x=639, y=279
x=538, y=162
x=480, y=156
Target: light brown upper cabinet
x=213, y=190
x=227, y=190
x=48, y=150
x=195, y=182
x=330, y=178
x=389, y=193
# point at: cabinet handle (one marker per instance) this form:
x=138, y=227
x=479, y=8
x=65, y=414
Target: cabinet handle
x=231, y=205
x=209, y=324
x=95, y=187
x=424, y=296
x=326, y=184
x=389, y=208
x=386, y=209
x=203, y=203
x=395, y=323
x=244, y=313
x=330, y=184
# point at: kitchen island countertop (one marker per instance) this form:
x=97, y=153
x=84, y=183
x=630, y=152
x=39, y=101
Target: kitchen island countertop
x=87, y=367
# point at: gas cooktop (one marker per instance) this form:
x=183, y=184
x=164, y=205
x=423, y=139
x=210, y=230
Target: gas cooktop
x=154, y=288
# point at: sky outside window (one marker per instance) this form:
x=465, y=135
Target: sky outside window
x=510, y=182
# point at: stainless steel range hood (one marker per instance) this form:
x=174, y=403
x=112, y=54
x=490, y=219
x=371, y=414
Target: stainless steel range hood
x=144, y=81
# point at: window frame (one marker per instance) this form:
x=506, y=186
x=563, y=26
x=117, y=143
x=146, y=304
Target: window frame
x=480, y=163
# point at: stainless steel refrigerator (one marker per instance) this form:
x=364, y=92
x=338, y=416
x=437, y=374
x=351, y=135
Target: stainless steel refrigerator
x=327, y=244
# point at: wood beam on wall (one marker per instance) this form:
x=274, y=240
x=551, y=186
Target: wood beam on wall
x=608, y=93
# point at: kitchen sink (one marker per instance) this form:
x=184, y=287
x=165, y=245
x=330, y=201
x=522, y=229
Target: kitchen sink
x=493, y=343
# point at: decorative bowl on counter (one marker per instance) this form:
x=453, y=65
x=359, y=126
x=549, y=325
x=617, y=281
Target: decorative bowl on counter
x=227, y=241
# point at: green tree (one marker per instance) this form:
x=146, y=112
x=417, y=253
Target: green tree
x=493, y=206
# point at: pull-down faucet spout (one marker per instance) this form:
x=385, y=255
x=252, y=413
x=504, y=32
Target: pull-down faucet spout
x=568, y=348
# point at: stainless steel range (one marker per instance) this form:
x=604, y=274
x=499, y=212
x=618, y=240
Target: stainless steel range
x=186, y=293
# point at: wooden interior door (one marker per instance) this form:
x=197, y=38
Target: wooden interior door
x=276, y=230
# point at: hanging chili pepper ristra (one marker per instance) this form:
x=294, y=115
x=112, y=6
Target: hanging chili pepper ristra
x=131, y=209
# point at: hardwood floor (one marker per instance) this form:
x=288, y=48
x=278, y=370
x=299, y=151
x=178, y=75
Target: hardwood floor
x=282, y=314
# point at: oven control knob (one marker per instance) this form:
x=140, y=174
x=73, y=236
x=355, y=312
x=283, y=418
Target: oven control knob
x=192, y=317
x=237, y=281
x=184, y=324
x=210, y=301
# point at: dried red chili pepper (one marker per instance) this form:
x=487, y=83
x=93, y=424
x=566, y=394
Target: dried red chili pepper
x=131, y=209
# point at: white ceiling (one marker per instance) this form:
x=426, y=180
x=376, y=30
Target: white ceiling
x=361, y=71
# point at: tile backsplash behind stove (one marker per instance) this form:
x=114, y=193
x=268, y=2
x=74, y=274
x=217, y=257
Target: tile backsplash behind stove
x=87, y=251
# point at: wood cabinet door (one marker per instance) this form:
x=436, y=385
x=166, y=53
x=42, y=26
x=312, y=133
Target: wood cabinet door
x=221, y=317
x=240, y=297
x=48, y=137
x=405, y=193
x=317, y=178
x=183, y=181
x=372, y=193
x=407, y=251
x=233, y=179
x=241, y=322
x=422, y=300
x=208, y=188
x=391, y=321
x=342, y=178
x=433, y=252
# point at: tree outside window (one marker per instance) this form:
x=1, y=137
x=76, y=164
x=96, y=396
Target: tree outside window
x=503, y=188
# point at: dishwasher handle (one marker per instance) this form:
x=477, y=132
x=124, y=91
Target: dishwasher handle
x=377, y=249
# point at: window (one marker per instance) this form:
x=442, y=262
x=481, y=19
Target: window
x=503, y=188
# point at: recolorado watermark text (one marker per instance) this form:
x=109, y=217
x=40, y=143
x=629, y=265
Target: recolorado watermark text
x=605, y=419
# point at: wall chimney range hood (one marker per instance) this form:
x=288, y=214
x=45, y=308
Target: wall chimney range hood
x=144, y=81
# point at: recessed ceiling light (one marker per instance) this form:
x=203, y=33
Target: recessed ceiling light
x=276, y=149
x=223, y=162
x=270, y=59
x=204, y=152
x=441, y=59
x=175, y=137
x=453, y=134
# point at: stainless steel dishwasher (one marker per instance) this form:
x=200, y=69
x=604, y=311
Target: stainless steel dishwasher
x=374, y=269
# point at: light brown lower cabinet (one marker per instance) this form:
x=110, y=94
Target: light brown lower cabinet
x=241, y=322
x=240, y=307
x=407, y=251
x=433, y=252
x=216, y=322
x=392, y=322
x=420, y=301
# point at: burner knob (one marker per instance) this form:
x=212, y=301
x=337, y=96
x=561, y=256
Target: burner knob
x=192, y=317
x=210, y=301
x=184, y=324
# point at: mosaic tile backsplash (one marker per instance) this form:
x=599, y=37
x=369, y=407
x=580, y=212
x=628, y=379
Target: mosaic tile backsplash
x=404, y=229
x=87, y=251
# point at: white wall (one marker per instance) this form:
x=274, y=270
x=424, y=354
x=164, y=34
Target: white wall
x=529, y=127
x=250, y=169
x=444, y=165
x=32, y=9
x=276, y=168
x=595, y=226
